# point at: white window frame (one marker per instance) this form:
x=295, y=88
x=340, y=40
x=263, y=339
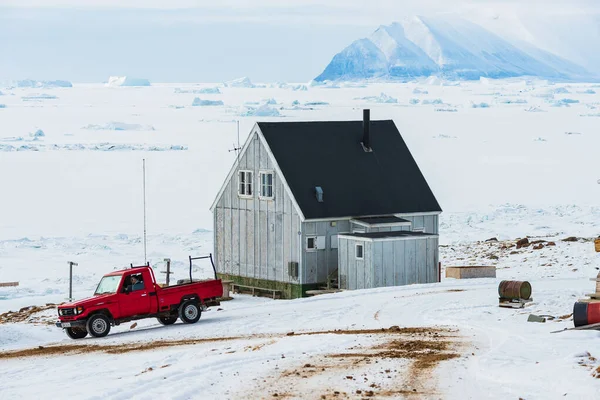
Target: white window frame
x=422, y=229
x=261, y=186
x=362, y=251
x=314, y=248
x=247, y=185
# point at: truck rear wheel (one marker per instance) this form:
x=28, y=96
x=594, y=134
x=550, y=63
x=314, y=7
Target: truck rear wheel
x=98, y=325
x=189, y=312
x=169, y=320
x=76, y=333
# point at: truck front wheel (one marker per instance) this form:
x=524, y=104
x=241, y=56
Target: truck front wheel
x=168, y=320
x=76, y=333
x=98, y=325
x=189, y=312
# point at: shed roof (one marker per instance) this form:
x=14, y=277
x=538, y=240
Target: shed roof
x=388, y=235
x=355, y=183
x=386, y=220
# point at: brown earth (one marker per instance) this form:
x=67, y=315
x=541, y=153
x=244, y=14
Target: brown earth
x=25, y=314
x=128, y=347
x=423, y=348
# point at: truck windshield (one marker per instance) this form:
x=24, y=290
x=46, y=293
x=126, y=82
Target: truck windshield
x=108, y=284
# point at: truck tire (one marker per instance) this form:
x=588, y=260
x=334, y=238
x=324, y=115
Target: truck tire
x=168, y=320
x=98, y=325
x=189, y=312
x=76, y=333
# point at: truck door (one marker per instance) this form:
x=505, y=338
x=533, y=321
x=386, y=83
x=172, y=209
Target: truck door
x=135, y=297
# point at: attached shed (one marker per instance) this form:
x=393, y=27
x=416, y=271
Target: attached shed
x=390, y=258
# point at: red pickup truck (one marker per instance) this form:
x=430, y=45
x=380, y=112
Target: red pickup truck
x=132, y=294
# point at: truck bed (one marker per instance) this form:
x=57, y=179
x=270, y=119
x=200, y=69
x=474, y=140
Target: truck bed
x=204, y=290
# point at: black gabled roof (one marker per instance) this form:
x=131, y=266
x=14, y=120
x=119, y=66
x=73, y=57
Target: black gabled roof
x=355, y=183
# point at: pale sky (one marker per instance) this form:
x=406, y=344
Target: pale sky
x=186, y=40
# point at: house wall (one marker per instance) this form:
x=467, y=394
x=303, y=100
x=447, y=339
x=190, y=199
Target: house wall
x=319, y=264
x=388, y=262
x=256, y=238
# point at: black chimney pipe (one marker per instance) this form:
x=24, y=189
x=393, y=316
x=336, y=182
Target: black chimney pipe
x=366, y=129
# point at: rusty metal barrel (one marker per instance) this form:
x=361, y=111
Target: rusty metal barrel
x=515, y=290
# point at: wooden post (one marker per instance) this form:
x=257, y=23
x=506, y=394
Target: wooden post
x=168, y=271
x=71, y=263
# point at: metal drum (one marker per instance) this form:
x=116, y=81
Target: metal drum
x=580, y=314
x=593, y=313
x=515, y=290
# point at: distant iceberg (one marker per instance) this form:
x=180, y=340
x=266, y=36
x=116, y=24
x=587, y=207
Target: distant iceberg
x=262, y=111
x=29, y=83
x=243, y=82
x=198, y=102
x=117, y=81
x=382, y=98
x=37, y=134
x=35, y=97
x=316, y=103
x=119, y=126
x=447, y=47
x=208, y=90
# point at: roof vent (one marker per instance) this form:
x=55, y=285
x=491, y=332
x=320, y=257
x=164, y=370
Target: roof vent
x=319, y=193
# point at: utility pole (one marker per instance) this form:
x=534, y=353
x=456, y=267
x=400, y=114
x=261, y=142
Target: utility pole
x=71, y=264
x=144, y=186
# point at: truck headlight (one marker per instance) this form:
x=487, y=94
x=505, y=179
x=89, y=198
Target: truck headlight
x=78, y=310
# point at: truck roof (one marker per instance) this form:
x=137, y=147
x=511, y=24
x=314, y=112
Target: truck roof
x=122, y=271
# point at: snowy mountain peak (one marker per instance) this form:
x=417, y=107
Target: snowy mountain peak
x=450, y=47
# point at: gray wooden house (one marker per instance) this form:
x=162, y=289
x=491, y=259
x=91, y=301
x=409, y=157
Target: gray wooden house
x=308, y=201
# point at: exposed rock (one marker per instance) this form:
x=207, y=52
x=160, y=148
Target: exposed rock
x=523, y=243
x=570, y=239
x=538, y=246
x=492, y=239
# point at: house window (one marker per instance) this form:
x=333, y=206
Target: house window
x=311, y=243
x=266, y=185
x=359, y=252
x=419, y=230
x=245, y=188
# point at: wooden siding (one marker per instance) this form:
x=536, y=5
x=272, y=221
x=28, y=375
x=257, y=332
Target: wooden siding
x=388, y=262
x=319, y=264
x=256, y=238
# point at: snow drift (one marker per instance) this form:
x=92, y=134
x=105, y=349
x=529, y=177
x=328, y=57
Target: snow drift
x=452, y=48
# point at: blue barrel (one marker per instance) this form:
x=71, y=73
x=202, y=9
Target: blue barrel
x=580, y=314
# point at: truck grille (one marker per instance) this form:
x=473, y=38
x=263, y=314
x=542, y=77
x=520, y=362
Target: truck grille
x=67, y=311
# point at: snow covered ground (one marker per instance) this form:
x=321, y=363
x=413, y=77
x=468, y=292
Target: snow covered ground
x=499, y=170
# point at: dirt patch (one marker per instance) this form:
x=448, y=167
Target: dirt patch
x=110, y=349
x=382, y=331
x=376, y=371
x=26, y=314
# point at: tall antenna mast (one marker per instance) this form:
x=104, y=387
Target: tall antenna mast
x=238, y=148
x=144, y=185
